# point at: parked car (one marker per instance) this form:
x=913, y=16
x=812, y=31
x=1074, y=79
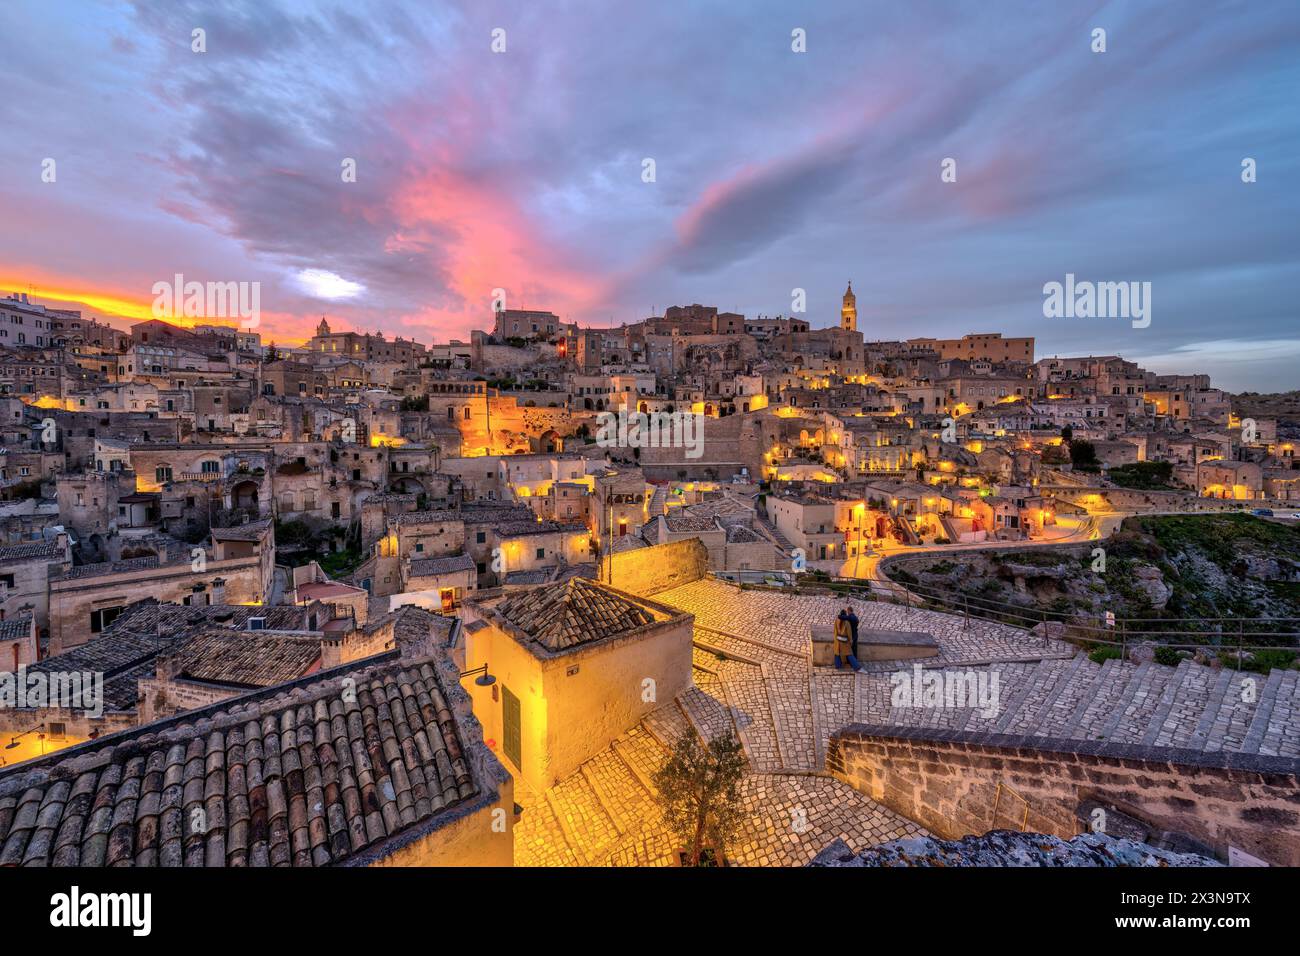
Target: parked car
x=1262, y=512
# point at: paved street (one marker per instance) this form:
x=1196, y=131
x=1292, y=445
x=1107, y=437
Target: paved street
x=753, y=677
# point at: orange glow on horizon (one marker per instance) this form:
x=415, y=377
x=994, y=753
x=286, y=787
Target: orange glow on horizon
x=95, y=305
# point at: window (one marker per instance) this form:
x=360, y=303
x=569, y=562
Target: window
x=541, y=553
x=511, y=726
x=481, y=537
x=102, y=617
x=163, y=474
x=257, y=624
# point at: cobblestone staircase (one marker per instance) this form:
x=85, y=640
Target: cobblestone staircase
x=658, y=502
x=1189, y=706
x=777, y=537
x=783, y=711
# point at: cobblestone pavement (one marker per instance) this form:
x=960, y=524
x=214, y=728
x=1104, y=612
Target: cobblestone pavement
x=606, y=816
x=777, y=620
x=790, y=702
x=752, y=714
x=753, y=675
x=793, y=816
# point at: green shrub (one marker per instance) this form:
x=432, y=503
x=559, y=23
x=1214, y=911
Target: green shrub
x=1270, y=658
x=1167, y=655
x=1103, y=654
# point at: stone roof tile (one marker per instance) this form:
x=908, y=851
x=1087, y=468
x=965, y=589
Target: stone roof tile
x=307, y=777
x=577, y=611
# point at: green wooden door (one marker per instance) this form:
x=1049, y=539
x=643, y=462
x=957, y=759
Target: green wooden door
x=510, y=721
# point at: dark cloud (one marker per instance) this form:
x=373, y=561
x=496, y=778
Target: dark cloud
x=775, y=169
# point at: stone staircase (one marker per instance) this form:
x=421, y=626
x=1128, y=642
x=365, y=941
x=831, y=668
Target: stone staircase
x=783, y=712
x=658, y=502
x=1190, y=706
x=772, y=532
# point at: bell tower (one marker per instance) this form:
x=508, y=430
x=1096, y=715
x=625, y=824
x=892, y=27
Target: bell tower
x=849, y=311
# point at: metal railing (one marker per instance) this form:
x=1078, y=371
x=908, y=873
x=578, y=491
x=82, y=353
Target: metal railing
x=1224, y=633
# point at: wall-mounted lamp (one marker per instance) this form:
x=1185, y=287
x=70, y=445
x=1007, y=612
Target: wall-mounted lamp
x=484, y=680
x=14, y=742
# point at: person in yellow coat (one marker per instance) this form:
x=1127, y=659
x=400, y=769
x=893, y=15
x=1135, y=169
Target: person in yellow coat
x=844, y=643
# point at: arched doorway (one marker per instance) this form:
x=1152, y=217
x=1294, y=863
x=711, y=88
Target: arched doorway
x=244, y=495
x=408, y=486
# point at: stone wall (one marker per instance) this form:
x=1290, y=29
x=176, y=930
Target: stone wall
x=948, y=782
x=1128, y=499
x=160, y=699
x=73, y=599
x=720, y=452
x=480, y=834
x=647, y=571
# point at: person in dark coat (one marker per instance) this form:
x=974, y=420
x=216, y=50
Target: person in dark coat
x=844, y=643
x=849, y=615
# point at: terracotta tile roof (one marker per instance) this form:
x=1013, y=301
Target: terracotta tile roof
x=16, y=628
x=245, y=659
x=531, y=576
x=31, y=551
x=422, y=567
x=307, y=776
x=169, y=552
x=584, y=569
x=568, y=613
x=128, y=648
x=525, y=528
x=690, y=522
x=251, y=531
x=629, y=542
x=721, y=506
x=490, y=515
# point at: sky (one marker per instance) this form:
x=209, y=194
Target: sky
x=524, y=168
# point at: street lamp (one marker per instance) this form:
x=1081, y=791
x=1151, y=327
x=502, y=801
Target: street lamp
x=857, y=558
x=484, y=679
x=14, y=741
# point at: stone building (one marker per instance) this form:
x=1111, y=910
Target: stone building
x=375, y=762
x=577, y=663
x=237, y=569
x=25, y=570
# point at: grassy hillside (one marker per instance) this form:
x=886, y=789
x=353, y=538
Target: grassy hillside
x=1224, y=572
